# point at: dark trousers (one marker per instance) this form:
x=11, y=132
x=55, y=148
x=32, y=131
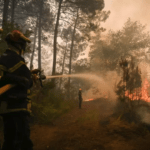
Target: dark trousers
x=16, y=132
x=80, y=103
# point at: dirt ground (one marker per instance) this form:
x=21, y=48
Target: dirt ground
x=90, y=128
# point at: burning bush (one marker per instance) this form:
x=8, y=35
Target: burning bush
x=130, y=82
x=128, y=89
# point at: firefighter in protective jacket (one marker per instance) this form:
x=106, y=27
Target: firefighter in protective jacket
x=80, y=98
x=15, y=104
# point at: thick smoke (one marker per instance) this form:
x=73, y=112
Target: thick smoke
x=124, y=9
x=104, y=87
x=144, y=113
x=144, y=110
x=101, y=86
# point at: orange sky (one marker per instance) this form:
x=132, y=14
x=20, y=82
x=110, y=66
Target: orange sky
x=121, y=10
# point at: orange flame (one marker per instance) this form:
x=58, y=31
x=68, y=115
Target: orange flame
x=89, y=99
x=140, y=93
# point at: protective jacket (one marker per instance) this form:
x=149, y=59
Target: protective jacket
x=14, y=71
x=80, y=95
x=80, y=98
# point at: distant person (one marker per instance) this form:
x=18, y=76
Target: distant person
x=80, y=98
x=14, y=103
x=1, y=30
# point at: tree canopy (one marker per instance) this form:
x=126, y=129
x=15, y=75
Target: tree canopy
x=129, y=41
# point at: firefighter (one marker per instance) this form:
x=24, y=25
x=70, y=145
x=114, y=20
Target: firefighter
x=15, y=104
x=80, y=98
x=1, y=30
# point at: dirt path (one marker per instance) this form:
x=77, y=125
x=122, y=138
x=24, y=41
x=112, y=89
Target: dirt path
x=90, y=129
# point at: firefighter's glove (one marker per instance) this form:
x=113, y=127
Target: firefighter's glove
x=14, y=79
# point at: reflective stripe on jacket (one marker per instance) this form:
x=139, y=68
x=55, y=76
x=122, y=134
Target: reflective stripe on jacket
x=4, y=108
x=15, y=99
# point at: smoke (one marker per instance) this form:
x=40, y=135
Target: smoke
x=144, y=67
x=101, y=86
x=104, y=86
x=122, y=10
x=143, y=111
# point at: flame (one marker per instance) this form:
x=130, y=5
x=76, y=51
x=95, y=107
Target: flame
x=89, y=99
x=140, y=93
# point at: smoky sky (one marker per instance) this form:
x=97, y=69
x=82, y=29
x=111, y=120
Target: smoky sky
x=121, y=10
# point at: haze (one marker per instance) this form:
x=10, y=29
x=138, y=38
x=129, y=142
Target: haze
x=121, y=10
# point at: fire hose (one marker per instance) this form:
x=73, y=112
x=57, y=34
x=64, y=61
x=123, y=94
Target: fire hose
x=36, y=73
x=6, y=88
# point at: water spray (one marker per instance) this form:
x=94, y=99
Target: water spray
x=85, y=76
x=98, y=80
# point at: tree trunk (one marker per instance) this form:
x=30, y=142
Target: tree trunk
x=72, y=43
x=63, y=64
x=64, y=59
x=55, y=38
x=5, y=12
x=40, y=31
x=35, y=33
x=71, y=50
x=12, y=10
